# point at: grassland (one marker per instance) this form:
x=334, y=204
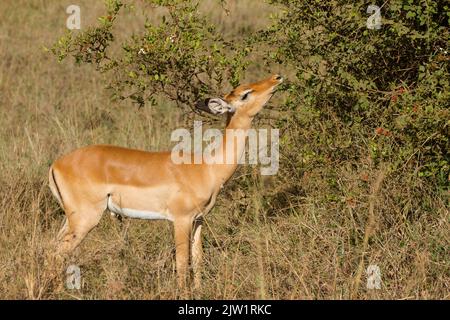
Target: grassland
x=293, y=249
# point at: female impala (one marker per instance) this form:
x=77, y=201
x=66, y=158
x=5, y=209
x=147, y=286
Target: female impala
x=148, y=185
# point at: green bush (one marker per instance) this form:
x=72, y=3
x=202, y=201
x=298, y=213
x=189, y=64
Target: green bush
x=354, y=95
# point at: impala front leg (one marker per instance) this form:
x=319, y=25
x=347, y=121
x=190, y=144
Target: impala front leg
x=197, y=247
x=183, y=228
x=197, y=252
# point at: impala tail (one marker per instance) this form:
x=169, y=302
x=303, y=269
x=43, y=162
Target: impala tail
x=54, y=186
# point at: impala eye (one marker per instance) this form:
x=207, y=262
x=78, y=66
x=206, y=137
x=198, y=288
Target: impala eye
x=245, y=96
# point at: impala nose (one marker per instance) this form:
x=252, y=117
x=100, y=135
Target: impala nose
x=277, y=77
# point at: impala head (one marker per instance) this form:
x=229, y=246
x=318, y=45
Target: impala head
x=246, y=99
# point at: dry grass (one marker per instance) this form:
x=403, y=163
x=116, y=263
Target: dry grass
x=302, y=249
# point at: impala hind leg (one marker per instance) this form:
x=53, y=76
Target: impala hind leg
x=63, y=231
x=79, y=223
x=197, y=252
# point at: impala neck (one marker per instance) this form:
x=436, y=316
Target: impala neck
x=232, y=150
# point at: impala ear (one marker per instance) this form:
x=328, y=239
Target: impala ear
x=215, y=106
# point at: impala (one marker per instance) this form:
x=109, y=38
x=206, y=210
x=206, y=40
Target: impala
x=148, y=185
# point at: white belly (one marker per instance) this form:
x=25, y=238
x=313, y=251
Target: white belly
x=138, y=214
